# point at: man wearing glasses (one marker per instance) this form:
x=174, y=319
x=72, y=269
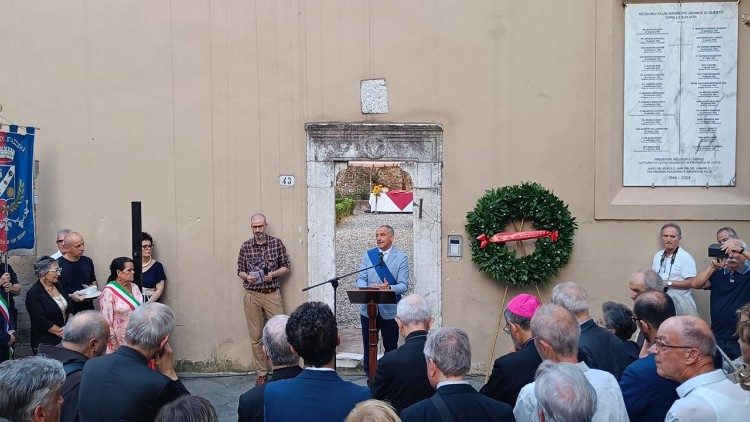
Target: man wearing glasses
x=514, y=370
x=60, y=243
x=261, y=263
x=684, y=351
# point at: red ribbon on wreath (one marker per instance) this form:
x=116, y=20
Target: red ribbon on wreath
x=504, y=237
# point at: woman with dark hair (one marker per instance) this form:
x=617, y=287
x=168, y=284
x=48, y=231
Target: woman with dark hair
x=48, y=307
x=153, y=278
x=620, y=321
x=119, y=299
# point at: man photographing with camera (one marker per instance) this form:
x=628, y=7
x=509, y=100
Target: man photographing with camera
x=728, y=279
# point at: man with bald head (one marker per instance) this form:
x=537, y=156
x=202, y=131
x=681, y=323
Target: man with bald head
x=85, y=337
x=556, y=331
x=77, y=272
x=261, y=263
x=684, y=350
x=644, y=280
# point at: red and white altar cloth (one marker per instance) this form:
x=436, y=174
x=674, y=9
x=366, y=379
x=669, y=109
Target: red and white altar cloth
x=392, y=201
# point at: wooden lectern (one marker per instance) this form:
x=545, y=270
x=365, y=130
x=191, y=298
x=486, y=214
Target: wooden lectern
x=372, y=298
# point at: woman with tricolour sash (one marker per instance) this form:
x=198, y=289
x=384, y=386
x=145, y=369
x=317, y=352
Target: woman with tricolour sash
x=119, y=299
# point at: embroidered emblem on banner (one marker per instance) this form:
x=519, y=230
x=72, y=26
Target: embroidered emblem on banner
x=16, y=200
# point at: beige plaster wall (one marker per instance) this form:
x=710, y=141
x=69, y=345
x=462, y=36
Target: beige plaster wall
x=196, y=107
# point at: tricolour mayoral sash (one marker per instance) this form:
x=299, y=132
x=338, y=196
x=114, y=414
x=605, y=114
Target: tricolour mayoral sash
x=382, y=270
x=123, y=294
x=4, y=313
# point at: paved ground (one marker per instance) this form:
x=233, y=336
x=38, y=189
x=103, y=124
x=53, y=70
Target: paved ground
x=223, y=390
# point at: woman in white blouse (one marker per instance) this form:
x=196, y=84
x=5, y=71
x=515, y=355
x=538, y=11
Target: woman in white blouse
x=48, y=307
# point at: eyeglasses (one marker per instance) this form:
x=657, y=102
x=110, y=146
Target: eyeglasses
x=60, y=240
x=506, y=329
x=147, y=246
x=55, y=270
x=659, y=344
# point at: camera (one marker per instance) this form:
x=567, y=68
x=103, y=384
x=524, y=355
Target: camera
x=714, y=251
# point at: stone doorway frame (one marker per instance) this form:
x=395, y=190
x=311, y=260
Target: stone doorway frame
x=419, y=147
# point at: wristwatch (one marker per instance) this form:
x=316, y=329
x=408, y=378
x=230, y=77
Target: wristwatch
x=669, y=283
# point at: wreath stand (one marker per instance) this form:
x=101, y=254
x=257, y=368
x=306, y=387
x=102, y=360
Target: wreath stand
x=519, y=245
x=554, y=230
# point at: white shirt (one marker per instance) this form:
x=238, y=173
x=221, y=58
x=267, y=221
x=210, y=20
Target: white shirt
x=442, y=383
x=313, y=368
x=385, y=253
x=609, y=403
x=710, y=397
x=682, y=267
x=56, y=255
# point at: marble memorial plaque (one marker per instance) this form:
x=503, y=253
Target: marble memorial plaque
x=680, y=94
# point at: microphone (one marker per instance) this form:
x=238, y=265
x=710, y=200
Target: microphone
x=380, y=259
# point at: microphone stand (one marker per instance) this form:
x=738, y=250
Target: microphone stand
x=335, y=282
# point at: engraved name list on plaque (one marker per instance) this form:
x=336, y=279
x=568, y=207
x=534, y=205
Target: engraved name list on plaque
x=680, y=96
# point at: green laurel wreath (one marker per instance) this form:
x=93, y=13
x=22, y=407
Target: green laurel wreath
x=531, y=202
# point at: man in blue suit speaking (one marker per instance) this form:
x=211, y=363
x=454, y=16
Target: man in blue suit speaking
x=390, y=272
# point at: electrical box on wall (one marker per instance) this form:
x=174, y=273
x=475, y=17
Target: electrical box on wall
x=454, y=245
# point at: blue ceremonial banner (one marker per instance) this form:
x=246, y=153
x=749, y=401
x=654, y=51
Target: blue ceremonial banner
x=16, y=189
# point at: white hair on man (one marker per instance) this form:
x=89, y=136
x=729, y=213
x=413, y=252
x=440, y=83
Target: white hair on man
x=556, y=326
x=148, y=325
x=571, y=297
x=449, y=349
x=413, y=309
x=275, y=343
x=563, y=393
x=30, y=387
x=651, y=279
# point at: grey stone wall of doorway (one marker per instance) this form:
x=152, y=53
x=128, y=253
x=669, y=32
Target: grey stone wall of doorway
x=418, y=147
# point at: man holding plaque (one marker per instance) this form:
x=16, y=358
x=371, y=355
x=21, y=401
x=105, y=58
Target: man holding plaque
x=390, y=271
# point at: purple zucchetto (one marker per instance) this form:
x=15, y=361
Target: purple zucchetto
x=524, y=305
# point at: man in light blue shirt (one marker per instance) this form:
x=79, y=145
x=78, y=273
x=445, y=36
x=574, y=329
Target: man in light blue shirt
x=390, y=271
x=684, y=351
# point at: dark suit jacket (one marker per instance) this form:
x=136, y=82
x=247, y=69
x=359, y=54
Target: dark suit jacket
x=602, y=349
x=251, y=402
x=647, y=396
x=312, y=396
x=121, y=387
x=464, y=404
x=511, y=372
x=401, y=378
x=69, y=390
x=44, y=313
